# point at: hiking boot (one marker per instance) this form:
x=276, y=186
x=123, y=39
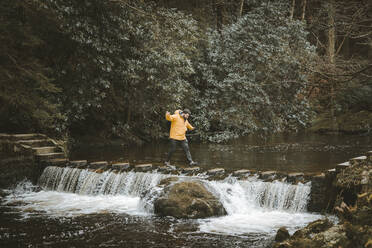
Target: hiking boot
x=167, y=163
x=193, y=163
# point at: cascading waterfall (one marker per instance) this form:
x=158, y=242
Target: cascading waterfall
x=240, y=196
x=237, y=196
x=90, y=183
x=253, y=206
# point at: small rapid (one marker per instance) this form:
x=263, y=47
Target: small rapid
x=253, y=206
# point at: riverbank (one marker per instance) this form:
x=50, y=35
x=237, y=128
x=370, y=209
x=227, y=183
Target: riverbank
x=347, y=123
x=353, y=206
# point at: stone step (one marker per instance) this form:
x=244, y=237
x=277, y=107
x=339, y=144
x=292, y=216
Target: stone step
x=98, y=165
x=49, y=156
x=46, y=149
x=143, y=167
x=216, y=171
x=17, y=137
x=29, y=136
x=36, y=143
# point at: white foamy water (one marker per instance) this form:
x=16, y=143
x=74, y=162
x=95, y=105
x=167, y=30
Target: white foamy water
x=257, y=221
x=69, y=204
x=259, y=207
x=252, y=206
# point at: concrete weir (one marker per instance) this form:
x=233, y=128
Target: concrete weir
x=38, y=151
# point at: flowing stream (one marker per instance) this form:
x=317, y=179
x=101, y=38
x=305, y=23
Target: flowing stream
x=255, y=209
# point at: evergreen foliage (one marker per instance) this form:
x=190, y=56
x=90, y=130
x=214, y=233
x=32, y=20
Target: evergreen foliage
x=255, y=75
x=111, y=68
x=128, y=64
x=27, y=91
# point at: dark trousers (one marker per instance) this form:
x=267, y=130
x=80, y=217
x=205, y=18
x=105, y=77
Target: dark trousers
x=185, y=146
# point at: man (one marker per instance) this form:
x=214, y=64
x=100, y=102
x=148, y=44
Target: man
x=179, y=126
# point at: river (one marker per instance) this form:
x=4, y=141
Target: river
x=78, y=208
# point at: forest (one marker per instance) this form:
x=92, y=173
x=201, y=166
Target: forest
x=112, y=68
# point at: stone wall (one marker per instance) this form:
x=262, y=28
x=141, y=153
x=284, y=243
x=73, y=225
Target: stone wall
x=16, y=164
x=24, y=156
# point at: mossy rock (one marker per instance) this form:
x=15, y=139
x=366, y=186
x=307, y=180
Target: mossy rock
x=189, y=200
x=282, y=234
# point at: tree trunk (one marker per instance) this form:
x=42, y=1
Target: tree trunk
x=331, y=36
x=303, y=10
x=292, y=10
x=331, y=32
x=241, y=5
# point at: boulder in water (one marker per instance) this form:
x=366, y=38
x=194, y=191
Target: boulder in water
x=189, y=200
x=282, y=234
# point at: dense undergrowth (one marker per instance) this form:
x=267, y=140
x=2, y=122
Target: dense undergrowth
x=111, y=69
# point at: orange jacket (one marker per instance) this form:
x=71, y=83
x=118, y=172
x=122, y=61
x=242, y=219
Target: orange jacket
x=179, y=126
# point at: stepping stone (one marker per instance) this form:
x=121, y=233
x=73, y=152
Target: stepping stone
x=45, y=149
x=268, y=175
x=143, y=167
x=166, y=168
x=120, y=166
x=61, y=162
x=358, y=160
x=98, y=165
x=191, y=170
x=331, y=172
x=216, y=171
x=49, y=156
x=294, y=177
x=78, y=164
x=241, y=172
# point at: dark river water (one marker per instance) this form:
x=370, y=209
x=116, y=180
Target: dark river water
x=34, y=216
x=295, y=152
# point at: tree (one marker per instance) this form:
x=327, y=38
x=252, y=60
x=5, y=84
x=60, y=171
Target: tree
x=128, y=56
x=255, y=75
